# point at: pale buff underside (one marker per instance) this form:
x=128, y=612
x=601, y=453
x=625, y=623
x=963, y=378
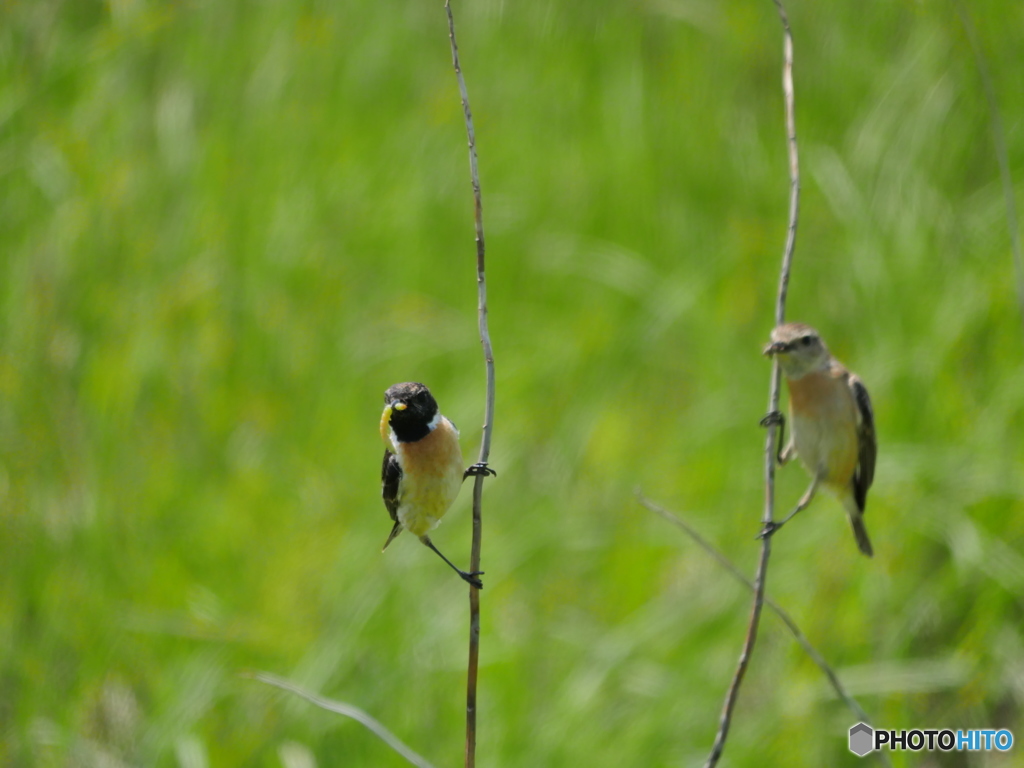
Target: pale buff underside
x=431, y=477
x=824, y=420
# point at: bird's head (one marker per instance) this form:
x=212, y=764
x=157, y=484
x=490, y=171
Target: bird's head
x=409, y=412
x=799, y=349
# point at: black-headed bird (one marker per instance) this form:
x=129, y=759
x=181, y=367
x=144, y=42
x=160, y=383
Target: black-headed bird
x=423, y=468
x=833, y=425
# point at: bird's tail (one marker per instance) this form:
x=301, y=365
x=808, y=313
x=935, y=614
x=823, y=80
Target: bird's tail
x=860, y=533
x=391, y=537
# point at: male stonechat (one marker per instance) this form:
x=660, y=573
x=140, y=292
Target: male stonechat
x=832, y=424
x=422, y=470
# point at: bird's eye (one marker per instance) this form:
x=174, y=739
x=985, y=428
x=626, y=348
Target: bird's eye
x=806, y=340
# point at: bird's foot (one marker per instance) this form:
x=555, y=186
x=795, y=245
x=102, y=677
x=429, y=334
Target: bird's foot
x=471, y=577
x=480, y=469
x=768, y=530
x=776, y=418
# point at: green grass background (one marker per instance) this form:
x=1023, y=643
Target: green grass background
x=227, y=227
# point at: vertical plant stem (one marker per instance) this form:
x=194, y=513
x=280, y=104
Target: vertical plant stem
x=725, y=720
x=485, y=441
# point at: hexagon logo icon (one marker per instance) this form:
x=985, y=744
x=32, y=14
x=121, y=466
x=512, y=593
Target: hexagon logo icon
x=861, y=739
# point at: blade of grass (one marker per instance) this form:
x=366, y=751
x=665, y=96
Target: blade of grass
x=348, y=710
x=999, y=144
x=777, y=609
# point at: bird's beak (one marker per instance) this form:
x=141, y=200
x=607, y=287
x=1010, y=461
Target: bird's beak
x=776, y=347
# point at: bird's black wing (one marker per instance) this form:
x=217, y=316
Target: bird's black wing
x=867, y=442
x=390, y=476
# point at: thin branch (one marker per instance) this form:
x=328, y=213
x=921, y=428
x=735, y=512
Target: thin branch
x=777, y=609
x=999, y=142
x=794, y=173
x=725, y=720
x=347, y=710
x=485, y=441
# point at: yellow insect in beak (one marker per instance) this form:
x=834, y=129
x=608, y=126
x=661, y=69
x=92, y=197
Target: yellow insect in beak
x=385, y=425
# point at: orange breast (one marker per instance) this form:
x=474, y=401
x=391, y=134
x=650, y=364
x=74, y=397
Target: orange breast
x=431, y=477
x=825, y=425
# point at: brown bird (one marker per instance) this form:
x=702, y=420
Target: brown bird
x=832, y=423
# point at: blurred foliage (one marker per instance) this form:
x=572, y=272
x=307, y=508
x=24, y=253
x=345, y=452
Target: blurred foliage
x=228, y=227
